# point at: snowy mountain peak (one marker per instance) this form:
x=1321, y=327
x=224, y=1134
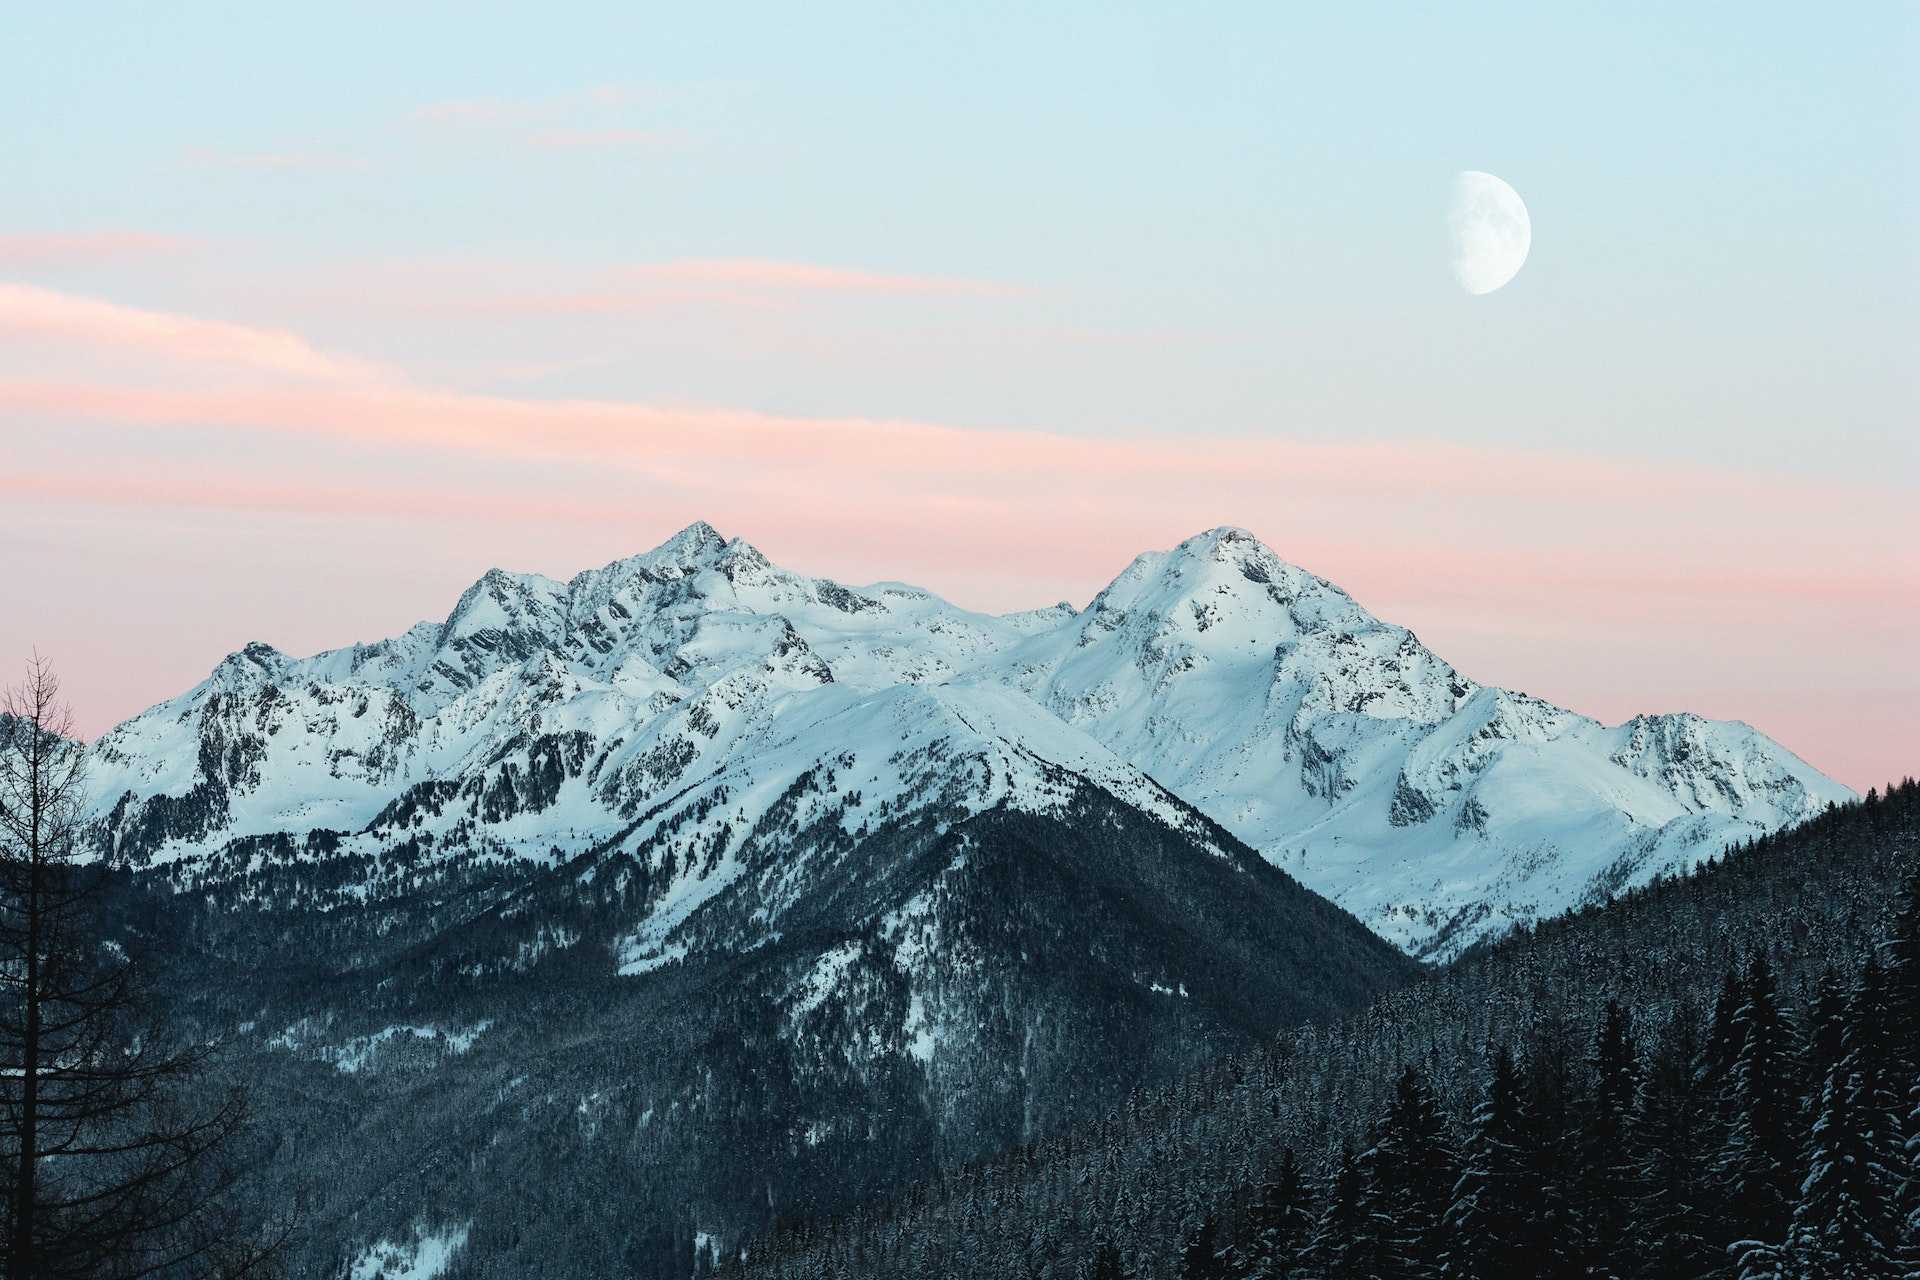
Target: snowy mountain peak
x=542, y=716
x=698, y=546
x=1225, y=543
x=691, y=540
x=502, y=601
x=1228, y=568
x=255, y=664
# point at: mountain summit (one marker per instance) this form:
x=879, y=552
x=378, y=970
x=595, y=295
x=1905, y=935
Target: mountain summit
x=690, y=689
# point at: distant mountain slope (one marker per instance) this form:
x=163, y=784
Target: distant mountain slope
x=541, y=718
x=1437, y=809
x=1817, y=904
x=665, y=1040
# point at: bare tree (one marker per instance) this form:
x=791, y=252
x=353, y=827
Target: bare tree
x=115, y=1144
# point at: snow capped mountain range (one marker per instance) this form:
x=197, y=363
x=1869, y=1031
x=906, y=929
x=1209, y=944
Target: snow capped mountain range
x=707, y=705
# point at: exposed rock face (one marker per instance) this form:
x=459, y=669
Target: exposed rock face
x=541, y=718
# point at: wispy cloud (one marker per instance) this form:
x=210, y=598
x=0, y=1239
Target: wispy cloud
x=505, y=288
x=791, y=461
x=109, y=327
x=29, y=250
x=1732, y=563
x=1623, y=506
x=346, y=396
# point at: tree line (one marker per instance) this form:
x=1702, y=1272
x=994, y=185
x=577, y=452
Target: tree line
x=1737, y=1142
x=1716, y=1075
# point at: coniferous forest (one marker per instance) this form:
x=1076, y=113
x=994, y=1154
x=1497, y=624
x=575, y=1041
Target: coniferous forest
x=1716, y=1075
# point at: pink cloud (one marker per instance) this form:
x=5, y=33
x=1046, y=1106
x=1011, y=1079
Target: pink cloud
x=359, y=404
x=216, y=490
x=484, y=288
x=50, y=314
x=1474, y=577
x=511, y=288
x=1395, y=522
x=62, y=249
x=1509, y=560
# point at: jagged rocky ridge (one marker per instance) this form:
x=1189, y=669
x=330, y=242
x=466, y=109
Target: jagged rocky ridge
x=702, y=704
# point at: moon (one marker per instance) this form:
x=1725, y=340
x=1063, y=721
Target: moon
x=1490, y=230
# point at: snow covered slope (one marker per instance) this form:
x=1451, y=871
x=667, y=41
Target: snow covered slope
x=694, y=698
x=539, y=715
x=1434, y=808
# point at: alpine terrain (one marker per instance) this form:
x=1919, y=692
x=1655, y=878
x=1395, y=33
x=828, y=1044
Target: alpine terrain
x=693, y=898
x=706, y=706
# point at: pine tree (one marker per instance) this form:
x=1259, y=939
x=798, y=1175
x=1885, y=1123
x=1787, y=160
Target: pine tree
x=1908, y=1203
x=1408, y=1176
x=1759, y=1157
x=1757, y=1260
x=1723, y=1036
x=1670, y=1139
x=1901, y=960
x=1902, y=952
x=1329, y=1254
x=1103, y=1257
x=1106, y=1262
x=1486, y=1223
x=1841, y=1225
x=1376, y=1245
x=1607, y=1172
x=1277, y=1225
x=1200, y=1255
x=1554, y=1234
x=117, y=1162
x=1876, y=1060
x=1827, y=1037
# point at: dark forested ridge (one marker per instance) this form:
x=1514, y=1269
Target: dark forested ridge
x=1715, y=1075
x=460, y=1055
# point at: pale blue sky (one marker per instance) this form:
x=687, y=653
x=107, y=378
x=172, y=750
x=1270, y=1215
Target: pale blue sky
x=1228, y=219
x=365, y=298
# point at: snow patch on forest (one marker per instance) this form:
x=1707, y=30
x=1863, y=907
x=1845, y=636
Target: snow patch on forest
x=823, y=978
x=921, y=1037
x=425, y=1257
x=361, y=1052
x=636, y=957
x=358, y=1054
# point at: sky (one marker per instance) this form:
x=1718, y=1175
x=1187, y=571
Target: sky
x=307, y=321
